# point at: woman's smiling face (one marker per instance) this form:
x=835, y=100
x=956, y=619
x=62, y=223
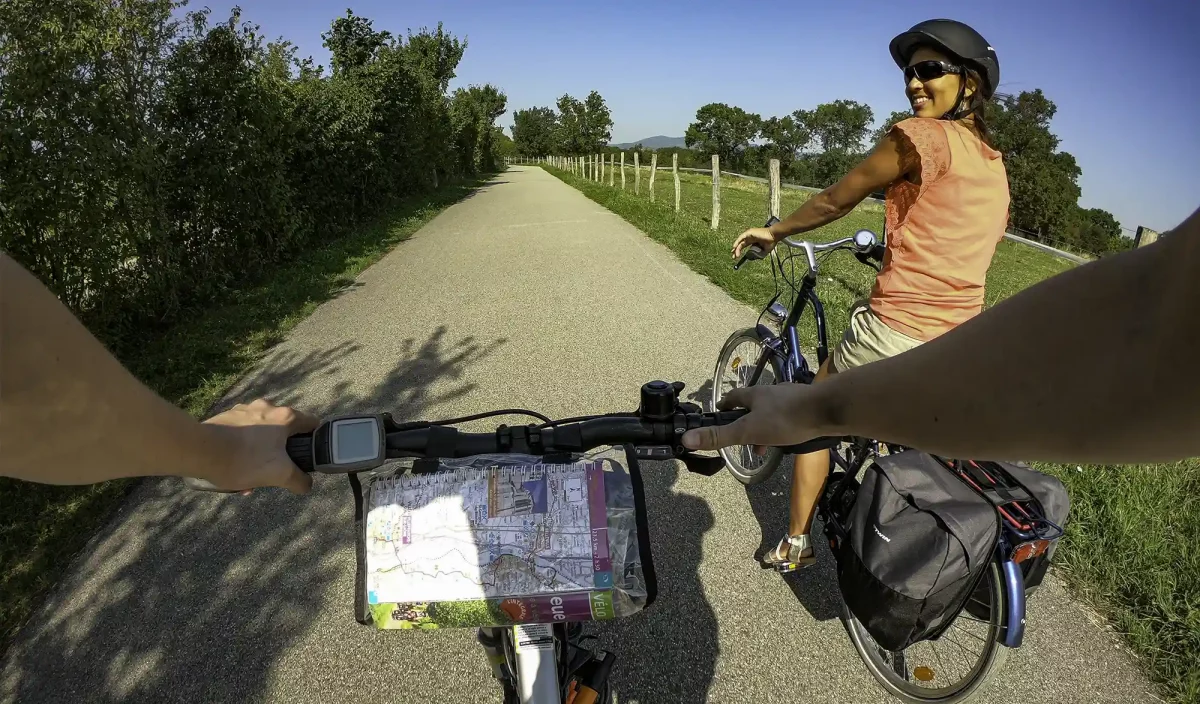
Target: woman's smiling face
x=935, y=97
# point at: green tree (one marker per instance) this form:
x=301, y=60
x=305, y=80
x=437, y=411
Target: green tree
x=828, y=167
x=432, y=56
x=352, y=42
x=79, y=141
x=723, y=130
x=152, y=159
x=503, y=143
x=1043, y=182
x=536, y=131
x=571, y=125
x=436, y=53
x=898, y=116
x=840, y=125
x=584, y=126
x=596, y=123
x=473, y=114
x=785, y=137
x=1096, y=231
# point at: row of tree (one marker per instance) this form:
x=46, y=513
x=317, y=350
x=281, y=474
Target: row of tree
x=817, y=147
x=152, y=160
x=577, y=127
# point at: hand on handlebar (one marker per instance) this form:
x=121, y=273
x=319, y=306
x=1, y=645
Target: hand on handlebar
x=773, y=420
x=253, y=437
x=755, y=236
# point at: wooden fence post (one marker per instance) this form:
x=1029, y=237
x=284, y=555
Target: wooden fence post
x=611, y=161
x=675, y=173
x=773, y=188
x=716, y=179
x=599, y=168
x=653, y=171
x=622, y=170
x=637, y=175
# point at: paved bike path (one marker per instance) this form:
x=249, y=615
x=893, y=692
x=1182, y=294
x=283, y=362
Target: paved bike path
x=526, y=294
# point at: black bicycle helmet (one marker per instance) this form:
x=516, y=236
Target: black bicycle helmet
x=955, y=39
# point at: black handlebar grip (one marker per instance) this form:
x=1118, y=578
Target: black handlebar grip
x=752, y=252
x=299, y=448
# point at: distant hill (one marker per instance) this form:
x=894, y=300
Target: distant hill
x=657, y=142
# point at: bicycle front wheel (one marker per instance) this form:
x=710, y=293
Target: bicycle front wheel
x=741, y=354
x=949, y=669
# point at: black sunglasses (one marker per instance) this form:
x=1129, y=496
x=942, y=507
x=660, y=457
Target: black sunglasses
x=929, y=70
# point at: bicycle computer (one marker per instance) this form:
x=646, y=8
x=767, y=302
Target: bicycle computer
x=350, y=444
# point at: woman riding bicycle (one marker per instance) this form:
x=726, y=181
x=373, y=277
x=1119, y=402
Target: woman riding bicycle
x=947, y=208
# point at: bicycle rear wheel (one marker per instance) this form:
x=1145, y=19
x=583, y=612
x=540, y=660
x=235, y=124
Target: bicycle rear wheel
x=740, y=354
x=950, y=669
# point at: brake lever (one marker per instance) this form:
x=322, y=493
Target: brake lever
x=865, y=258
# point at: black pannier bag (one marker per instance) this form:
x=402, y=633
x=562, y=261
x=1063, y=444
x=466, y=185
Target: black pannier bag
x=920, y=540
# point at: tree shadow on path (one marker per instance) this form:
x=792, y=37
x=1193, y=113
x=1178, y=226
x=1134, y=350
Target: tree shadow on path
x=188, y=596
x=669, y=651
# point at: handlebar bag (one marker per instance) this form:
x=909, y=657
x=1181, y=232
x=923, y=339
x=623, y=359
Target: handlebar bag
x=919, y=541
x=498, y=540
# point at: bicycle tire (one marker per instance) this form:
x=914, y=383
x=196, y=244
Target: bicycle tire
x=736, y=455
x=965, y=689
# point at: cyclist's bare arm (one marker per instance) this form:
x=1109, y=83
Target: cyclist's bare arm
x=880, y=168
x=1098, y=364
x=71, y=414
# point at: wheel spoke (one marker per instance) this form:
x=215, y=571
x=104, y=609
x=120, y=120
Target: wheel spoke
x=976, y=637
x=937, y=656
x=960, y=647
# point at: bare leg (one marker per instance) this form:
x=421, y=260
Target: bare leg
x=808, y=477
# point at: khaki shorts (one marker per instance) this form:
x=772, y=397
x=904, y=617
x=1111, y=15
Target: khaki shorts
x=868, y=339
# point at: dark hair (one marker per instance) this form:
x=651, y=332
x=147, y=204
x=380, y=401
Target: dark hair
x=977, y=105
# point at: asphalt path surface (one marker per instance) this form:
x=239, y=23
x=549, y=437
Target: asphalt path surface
x=525, y=294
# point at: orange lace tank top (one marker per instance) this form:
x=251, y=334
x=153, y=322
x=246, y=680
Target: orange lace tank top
x=942, y=232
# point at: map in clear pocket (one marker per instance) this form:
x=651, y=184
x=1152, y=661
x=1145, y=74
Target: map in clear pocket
x=476, y=533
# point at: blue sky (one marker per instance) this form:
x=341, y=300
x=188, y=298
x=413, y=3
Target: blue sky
x=1125, y=76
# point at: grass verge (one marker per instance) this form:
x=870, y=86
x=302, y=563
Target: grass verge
x=191, y=364
x=1132, y=548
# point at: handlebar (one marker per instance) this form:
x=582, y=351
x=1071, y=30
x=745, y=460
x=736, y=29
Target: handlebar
x=864, y=243
x=655, y=430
